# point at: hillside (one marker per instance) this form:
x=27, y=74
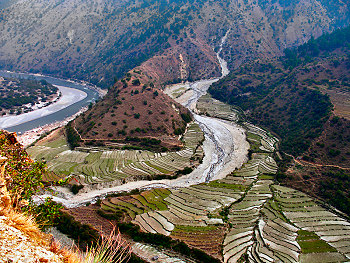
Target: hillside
x=131, y=110
x=303, y=98
x=292, y=99
x=24, y=224
x=99, y=41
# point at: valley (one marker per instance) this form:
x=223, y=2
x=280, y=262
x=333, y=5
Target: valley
x=203, y=131
x=254, y=218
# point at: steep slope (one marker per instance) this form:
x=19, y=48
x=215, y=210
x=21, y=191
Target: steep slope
x=292, y=96
x=100, y=40
x=302, y=97
x=131, y=110
x=21, y=240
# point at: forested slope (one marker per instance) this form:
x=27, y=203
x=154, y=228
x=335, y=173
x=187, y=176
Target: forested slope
x=302, y=97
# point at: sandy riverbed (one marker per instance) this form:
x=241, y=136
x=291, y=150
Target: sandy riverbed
x=69, y=97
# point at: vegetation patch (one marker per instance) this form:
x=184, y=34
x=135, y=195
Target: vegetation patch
x=219, y=184
x=311, y=243
x=22, y=95
x=165, y=242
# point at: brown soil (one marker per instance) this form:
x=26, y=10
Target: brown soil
x=135, y=110
x=190, y=59
x=208, y=241
x=88, y=215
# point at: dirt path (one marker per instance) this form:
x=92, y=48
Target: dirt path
x=303, y=163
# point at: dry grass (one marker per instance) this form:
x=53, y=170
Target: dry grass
x=27, y=225
x=110, y=249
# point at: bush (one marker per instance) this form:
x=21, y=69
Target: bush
x=73, y=137
x=136, y=82
x=75, y=188
x=26, y=174
x=117, y=215
x=179, y=131
x=186, y=170
x=45, y=213
x=186, y=117
x=83, y=234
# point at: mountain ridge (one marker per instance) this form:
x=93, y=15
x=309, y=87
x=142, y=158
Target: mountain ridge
x=99, y=41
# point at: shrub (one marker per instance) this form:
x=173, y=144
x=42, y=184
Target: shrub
x=136, y=82
x=186, y=117
x=75, y=188
x=73, y=137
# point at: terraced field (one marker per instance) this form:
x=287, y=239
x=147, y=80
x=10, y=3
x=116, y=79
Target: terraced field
x=246, y=217
x=135, y=205
x=308, y=215
x=207, y=238
x=212, y=107
x=96, y=165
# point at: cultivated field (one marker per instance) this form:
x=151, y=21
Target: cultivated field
x=92, y=165
x=246, y=215
x=211, y=107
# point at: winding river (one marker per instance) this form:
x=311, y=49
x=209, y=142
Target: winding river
x=225, y=148
x=74, y=97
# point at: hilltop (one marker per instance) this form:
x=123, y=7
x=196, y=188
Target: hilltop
x=134, y=108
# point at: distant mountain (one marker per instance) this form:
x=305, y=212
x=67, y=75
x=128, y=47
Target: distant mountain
x=101, y=40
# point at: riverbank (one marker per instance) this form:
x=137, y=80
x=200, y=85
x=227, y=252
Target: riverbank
x=74, y=97
x=225, y=147
x=69, y=97
x=31, y=136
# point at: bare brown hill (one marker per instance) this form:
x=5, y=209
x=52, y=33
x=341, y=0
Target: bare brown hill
x=134, y=109
x=190, y=59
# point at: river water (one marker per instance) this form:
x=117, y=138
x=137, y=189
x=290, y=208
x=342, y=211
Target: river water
x=74, y=97
x=225, y=148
